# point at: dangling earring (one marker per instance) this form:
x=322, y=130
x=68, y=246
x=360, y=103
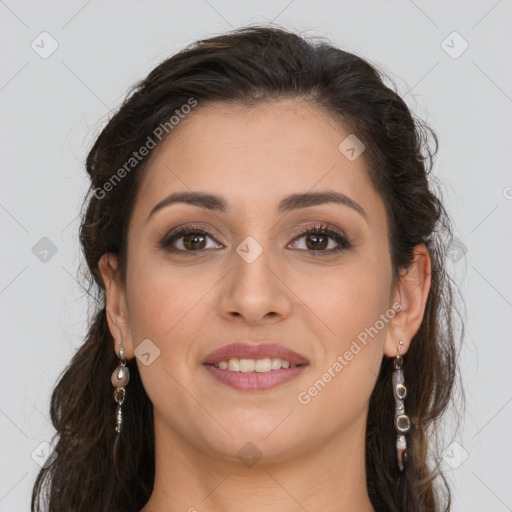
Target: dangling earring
x=402, y=421
x=120, y=379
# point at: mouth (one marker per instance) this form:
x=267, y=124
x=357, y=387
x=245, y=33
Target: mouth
x=251, y=367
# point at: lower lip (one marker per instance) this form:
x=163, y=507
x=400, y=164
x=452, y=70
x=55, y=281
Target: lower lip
x=255, y=381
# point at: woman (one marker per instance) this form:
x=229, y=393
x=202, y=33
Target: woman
x=273, y=302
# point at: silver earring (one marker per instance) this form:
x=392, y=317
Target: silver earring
x=402, y=421
x=120, y=379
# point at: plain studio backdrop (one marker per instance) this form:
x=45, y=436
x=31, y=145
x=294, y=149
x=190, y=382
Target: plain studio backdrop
x=65, y=65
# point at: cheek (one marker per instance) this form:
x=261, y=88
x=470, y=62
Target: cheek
x=349, y=298
x=353, y=311
x=353, y=305
x=154, y=304
x=164, y=304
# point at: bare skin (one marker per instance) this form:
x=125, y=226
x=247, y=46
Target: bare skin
x=315, y=302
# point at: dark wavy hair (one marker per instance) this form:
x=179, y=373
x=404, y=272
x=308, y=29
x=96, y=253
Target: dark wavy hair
x=250, y=66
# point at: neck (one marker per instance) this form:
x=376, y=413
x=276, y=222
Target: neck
x=332, y=477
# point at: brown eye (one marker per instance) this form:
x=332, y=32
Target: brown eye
x=194, y=241
x=317, y=241
x=323, y=239
x=187, y=239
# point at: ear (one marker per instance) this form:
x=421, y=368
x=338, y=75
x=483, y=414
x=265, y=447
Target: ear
x=115, y=300
x=411, y=292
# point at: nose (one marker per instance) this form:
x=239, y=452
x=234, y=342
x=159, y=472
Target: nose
x=255, y=291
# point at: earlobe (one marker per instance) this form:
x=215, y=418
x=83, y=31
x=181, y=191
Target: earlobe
x=411, y=292
x=115, y=300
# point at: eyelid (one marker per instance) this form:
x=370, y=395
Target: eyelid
x=320, y=226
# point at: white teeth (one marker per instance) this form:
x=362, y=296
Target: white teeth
x=276, y=364
x=265, y=364
x=246, y=365
x=234, y=365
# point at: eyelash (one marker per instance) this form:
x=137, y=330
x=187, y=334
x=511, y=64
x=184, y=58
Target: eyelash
x=320, y=229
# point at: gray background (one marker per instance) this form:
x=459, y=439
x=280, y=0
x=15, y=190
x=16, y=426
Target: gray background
x=52, y=108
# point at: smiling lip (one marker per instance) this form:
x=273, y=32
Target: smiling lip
x=255, y=381
x=253, y=351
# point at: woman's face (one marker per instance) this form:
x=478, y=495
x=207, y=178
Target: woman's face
x=245, y=274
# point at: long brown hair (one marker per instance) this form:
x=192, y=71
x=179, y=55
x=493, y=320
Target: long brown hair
x=249, y=66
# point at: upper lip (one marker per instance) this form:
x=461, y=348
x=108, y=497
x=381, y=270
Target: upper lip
x=254, y=351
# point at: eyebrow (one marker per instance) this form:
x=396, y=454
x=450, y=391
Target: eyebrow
x=292, y=202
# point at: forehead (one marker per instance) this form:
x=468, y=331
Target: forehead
x=255, y=155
